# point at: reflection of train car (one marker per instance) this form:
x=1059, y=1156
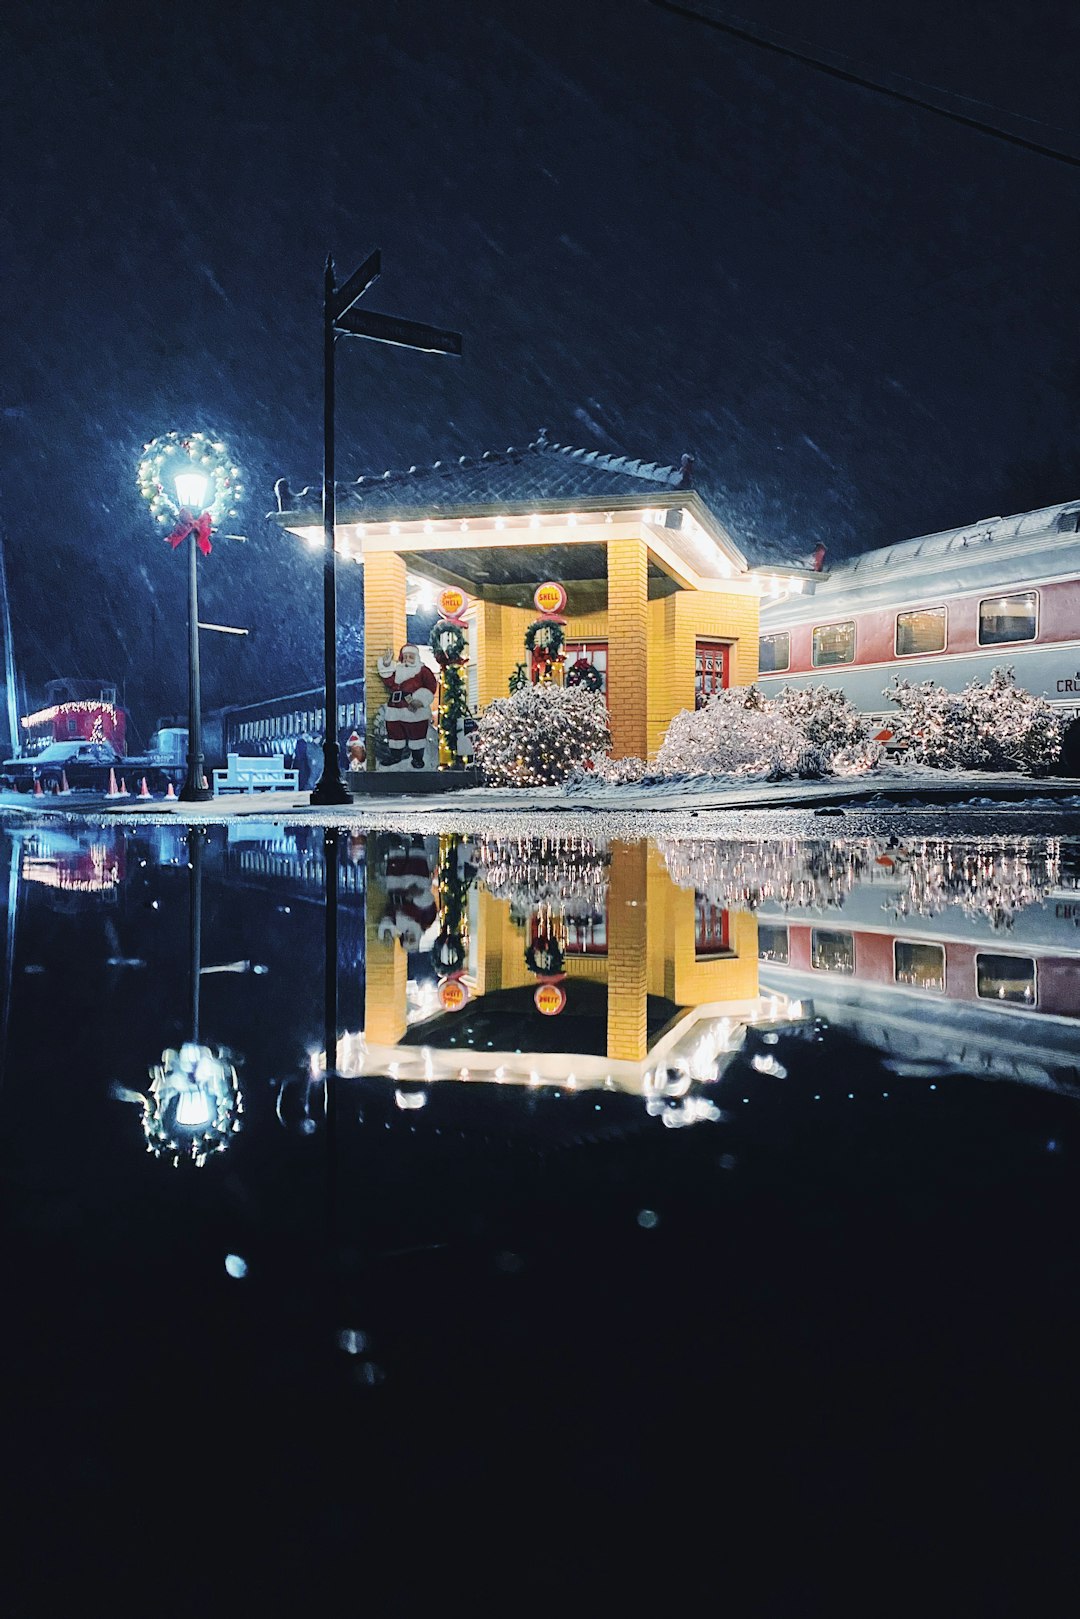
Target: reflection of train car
x=86, y=862
x=946, y=988
x=947, y=607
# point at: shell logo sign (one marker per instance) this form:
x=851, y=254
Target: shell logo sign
x=453, y=995
x=549, y=999
x=453, y=602
x=550, y=597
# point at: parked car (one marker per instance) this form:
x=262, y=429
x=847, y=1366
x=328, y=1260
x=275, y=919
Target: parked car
x=85, y=764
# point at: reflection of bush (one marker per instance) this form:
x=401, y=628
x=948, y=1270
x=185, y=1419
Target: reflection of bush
x=569, y=875
x=991, y=881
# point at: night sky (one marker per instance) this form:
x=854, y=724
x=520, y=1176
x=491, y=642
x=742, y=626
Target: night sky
x=860, y=319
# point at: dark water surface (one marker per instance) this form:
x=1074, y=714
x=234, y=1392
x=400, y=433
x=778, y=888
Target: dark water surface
x=708, y=1206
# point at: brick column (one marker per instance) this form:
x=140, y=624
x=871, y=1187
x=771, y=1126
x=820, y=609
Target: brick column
x=387, y=969
x=628, y=965
x=628, y=658
x=384, y=626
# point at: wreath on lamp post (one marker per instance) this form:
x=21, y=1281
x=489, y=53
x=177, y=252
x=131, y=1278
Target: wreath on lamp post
x=583, y=673
x=163, y=457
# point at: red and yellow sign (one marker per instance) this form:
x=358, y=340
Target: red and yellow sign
x=453, y=602
x=550, y=597
x=549, y=999
x=453, y=994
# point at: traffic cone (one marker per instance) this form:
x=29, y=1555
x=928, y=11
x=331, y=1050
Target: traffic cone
x=144, y=791
x=123, y=788
x=114, y=791
x=206, y=785
x=170, y=791
x=39, y=791
x=64, y=788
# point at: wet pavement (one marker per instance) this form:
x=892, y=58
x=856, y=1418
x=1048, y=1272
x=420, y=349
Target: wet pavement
x=505, y=1211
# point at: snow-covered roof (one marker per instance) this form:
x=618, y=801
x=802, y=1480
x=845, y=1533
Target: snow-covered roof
x=540, y=471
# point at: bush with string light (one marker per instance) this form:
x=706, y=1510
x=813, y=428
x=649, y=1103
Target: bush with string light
x=537, y=736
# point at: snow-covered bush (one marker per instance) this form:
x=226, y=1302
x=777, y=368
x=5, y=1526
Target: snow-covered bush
x=990, y=725
x=825, y=716
x=739, y=733
x=610, y=772
x=537, y=736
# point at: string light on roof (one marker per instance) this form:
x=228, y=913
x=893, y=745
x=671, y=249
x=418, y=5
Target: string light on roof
x=500, y=522
x=429, y=526
x=395, y=528
x=534, y=521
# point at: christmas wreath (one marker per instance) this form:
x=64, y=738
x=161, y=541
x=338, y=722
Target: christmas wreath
x=583, y=673
x=448, y=641
x=163, y=457
x=546, y=636
x=448, y=954
x=545, y=956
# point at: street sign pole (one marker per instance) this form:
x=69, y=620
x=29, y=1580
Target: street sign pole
x=329, y=789
x=340, y=318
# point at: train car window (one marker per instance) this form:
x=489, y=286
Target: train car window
x=772, y=942
x=1005, y=978
x=774, y=652
x=832, y=952
x=1009, y=618
x=920, y=965
x=834, y=643
x=922, y=630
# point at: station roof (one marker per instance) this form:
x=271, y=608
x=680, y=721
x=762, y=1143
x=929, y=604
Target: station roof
x=536, y=473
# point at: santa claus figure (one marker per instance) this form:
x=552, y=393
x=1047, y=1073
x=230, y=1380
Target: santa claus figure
x=410, y=899
x=410, y=694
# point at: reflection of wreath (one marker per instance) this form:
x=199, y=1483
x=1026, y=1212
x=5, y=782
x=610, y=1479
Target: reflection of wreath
x=164, y=456
x=583, y=673
x=545, y=636
x=448, y=642
x=545, y=955
x=448, y=954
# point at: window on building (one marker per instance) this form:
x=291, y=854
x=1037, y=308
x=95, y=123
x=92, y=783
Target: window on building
x=922, y=630
x=713, y=931
x=594, y=652
x=832, y=951
x=772, y=942
x=586, y=935
x=710, y=670
x=1005, y=978
x=1009, y=618
x=774, y=652
x=922, y=966
x=72, y=725
x=834, y=643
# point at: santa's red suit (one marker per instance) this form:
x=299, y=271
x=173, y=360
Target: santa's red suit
x=410, y=694
x=410, y=902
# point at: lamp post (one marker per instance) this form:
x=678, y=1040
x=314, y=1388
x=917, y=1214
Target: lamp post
x=191, y=493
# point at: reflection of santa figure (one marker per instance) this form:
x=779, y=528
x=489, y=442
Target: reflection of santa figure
x=410, y=693
x=410, y=902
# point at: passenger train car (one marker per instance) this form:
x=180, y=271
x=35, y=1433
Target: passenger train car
x=950, y=607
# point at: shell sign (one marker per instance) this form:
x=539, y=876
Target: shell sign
x=453, y=995
x=549, y=999
x=453, y=602
x=550, y=597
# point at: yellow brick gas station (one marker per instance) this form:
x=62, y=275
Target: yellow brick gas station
x=659, y=598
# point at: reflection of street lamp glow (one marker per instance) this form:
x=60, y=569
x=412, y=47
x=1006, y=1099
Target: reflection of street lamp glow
x=191, y=489
x=194, y=1105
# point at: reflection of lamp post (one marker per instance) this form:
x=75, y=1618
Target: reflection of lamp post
x=194, y=1105
x=191, y=492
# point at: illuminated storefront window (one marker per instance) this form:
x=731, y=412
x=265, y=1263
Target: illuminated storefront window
x=710, y=670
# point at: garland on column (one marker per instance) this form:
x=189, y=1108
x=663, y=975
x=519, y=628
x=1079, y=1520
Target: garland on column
x=449, y=643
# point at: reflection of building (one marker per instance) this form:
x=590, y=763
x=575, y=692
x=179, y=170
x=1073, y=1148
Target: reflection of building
x=659, y=598
x=949, y=987
x=654, y=992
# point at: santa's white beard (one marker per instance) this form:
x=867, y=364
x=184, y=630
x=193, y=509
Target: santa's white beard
x=404, y=671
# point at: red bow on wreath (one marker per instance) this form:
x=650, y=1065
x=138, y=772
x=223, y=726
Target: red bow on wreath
x=186, y=523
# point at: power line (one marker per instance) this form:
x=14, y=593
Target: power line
x=849, y=76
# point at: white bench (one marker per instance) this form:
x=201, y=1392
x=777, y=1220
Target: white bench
x=243, y=775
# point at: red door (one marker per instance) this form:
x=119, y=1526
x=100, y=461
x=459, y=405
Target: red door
x=710, y=670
